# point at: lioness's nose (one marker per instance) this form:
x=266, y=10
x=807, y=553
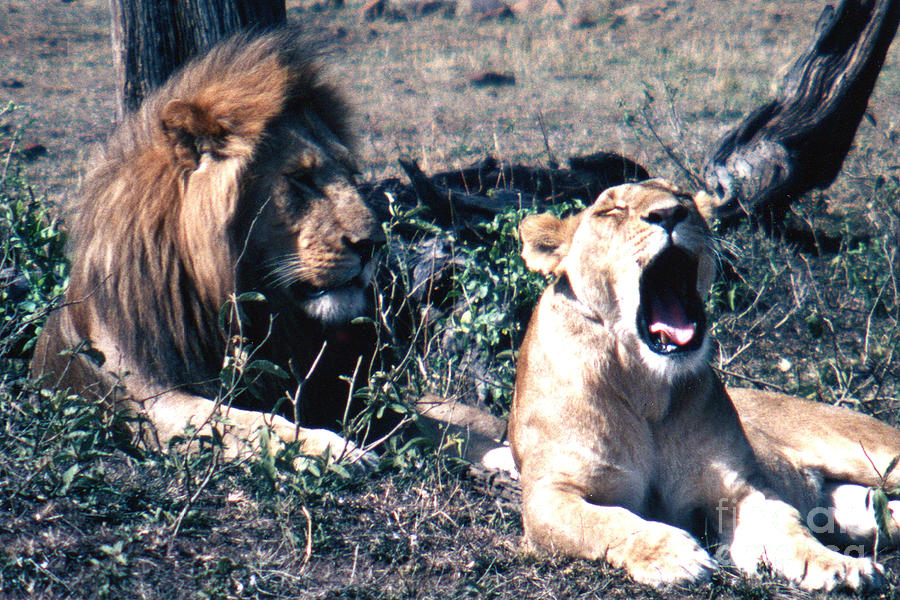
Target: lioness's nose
x=668, y=217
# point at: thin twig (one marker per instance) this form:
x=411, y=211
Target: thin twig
x=554, y=163
x=308, y=552
x=389, y=434
x=777, y=388
x=296, y=399
x=9, y=153
x=696, y=179
x=344, y=431
x=176, y=526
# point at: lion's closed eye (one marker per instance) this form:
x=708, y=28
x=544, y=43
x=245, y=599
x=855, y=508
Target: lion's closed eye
x=610, y=211
x=301, y=170
x=304, y=181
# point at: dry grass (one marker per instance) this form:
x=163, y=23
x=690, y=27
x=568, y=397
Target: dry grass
x=408, y=78
x=823, y=326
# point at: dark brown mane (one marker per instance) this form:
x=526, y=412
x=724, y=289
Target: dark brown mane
x=154, y=263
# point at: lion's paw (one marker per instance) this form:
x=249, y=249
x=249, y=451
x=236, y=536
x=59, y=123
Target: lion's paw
x=500, y=459
x=322, y=442
x=769, y=531
x=809, y=564
x=826, y=570
x=664, y=555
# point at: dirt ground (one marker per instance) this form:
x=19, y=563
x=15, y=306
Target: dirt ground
x=408, y=79
x=691, y=67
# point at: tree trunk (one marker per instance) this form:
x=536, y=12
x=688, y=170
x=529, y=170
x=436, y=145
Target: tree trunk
x=152, y=38
x=799, y=140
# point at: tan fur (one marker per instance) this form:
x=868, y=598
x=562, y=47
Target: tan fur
x=234, y=176
x=621, y=449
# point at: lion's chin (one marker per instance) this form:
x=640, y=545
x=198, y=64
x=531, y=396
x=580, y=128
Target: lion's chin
x=336, y=306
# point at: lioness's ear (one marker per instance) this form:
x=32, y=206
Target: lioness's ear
x=705, y=204
x=546, y=241
x=191, y=130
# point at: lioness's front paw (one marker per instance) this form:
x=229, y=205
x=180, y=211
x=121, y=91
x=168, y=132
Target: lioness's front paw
x=500, y=459
x=809, y=564
x=663, y=555
x=322, y=442
x=770, y=531
x=826, y=570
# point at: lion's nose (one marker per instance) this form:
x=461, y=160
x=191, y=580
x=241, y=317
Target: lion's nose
x=364, y=248
x=667, y=218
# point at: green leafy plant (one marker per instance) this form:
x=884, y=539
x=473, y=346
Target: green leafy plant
x=495, y=293
x=33, y=268
x=880, y=497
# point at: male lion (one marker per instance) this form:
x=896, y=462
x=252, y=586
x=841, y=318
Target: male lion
x=625, y=437
x=235, y=176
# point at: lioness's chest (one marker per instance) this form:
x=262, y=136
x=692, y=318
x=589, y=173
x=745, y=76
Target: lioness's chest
x=645, y=479
x=647, y=465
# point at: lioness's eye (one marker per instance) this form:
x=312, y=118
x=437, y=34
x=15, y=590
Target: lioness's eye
x=608, y=211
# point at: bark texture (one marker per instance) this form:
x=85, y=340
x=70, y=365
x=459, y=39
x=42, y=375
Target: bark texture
x=799, y=140
x=152, y=38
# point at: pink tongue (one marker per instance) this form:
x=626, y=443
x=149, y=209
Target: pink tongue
x=667, y=318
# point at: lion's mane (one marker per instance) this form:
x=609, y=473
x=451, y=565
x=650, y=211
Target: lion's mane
x=153, y=260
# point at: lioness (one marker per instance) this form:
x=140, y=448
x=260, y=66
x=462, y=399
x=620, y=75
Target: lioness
x=236, y=176
x=624, y=435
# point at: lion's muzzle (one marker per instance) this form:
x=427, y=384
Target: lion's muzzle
x=343, y=303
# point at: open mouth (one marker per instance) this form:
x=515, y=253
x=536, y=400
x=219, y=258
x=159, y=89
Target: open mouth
x=670, y=317
x=311, y=293
x=360, y=281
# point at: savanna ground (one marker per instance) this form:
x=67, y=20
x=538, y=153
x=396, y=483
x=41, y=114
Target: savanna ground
x=82, y=515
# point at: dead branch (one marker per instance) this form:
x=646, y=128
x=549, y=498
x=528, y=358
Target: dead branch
x=798, y=141
x=458, y=200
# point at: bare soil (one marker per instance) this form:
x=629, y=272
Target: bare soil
x=409, y=79
x=686, y=70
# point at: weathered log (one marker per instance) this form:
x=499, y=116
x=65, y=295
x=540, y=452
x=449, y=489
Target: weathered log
x=452, y=204
x=457, y=200
x=609, y=168
x=587, y=177
x=445, y=202
x=799, y=140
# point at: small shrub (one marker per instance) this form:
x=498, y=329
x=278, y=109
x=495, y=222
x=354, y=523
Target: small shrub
x=466, y=335
x=33, y=268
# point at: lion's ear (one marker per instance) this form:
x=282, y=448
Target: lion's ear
x=705, y=204
x=191, y=130
x=545, y=241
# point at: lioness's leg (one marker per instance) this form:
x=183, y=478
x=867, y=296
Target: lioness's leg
x=840, y=444
x=170, y=412
x=754, y=522
x=480, y=432
x=653, y=553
